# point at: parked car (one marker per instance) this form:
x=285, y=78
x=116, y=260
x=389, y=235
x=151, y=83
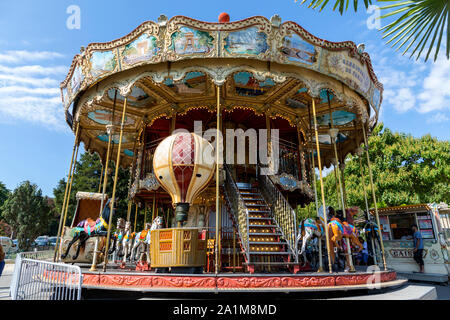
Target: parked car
x=6, y=244
x=15, y=246
x=41, y=241
x=52, y=241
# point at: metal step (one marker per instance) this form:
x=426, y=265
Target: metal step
x=274, y=263
x=266, y=243
x=265, y=234
x=262, y=226
x=256, y=205
x=260, y=218
x=253, y=199
x=269, y=253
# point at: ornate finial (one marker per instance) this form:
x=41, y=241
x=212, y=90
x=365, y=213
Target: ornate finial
x=162, y=20
x=333, y=133
x=224, y=17
x=276, y=21
x=360, y=48
x=82, y=49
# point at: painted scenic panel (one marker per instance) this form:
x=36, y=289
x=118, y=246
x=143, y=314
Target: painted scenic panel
x=115, y=138
x=137, y=98
x=376, y=96
x=247, y=85
x=193, y=83
x=353, y=72
x=188, y=41
x=76, y=80
x=102, y=62
x=298, y=50
x=326, y=139
x=249, y=41
x=105, y=117
x=143, y=48
x=340, y=117
x=128, y=152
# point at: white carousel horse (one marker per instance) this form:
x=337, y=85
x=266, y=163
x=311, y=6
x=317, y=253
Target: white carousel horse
x=117, y=239
x=143, y=238
x=309, y=229
x=127, y=241
x=140, y=239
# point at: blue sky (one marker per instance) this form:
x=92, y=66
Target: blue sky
x=36, y=49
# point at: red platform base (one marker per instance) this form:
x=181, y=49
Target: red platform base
x=139, y=281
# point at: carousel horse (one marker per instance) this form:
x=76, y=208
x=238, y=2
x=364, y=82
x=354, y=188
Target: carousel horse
x=143, y=238
x=372, y=236
x=89, y=228
x=127, y=242
x=341, y=229
x=140, y=239
x=310, y=228
x=117, y=238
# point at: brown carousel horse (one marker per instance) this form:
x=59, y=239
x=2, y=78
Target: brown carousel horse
x=338, y=229
x=89, y=228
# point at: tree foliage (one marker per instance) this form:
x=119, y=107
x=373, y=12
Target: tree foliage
x=27, y=212
x=421, y=22
x=87, y=178
x=406, y=170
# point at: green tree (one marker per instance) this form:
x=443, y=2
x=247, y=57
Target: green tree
x=27, y=212
x=406, y=170
x=421, y=22
x=87, y=178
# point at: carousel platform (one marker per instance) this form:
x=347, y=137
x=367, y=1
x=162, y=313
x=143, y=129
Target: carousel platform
x=128, y=279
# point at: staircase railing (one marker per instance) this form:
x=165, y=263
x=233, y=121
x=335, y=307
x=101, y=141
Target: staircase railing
x=238, y=209
x=282, y=212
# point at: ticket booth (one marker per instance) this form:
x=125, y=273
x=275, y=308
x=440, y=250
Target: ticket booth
x=397, y=235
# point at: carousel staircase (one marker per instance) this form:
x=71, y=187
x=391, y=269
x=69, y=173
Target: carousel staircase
x=265, y=244
x=261, y=238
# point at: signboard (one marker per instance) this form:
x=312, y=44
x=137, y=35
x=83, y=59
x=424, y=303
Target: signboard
x=405, y=253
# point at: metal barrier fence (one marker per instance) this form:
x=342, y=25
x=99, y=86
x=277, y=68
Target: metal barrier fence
x=35, y=279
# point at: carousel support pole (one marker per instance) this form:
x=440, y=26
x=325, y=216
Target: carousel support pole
x=110, y=131
x=334, y=135
x=154, y=206
x=347, y=241
x=135, y=216
x=113, y=198
x=234, y=252
x=145, y=213
x=70, y=190
x=313, y=172
x=129, y=210
x=374, y=196
x=100, y=182
x=360, y=151
x=321, y=185
x=216, y=245
x=65, y=192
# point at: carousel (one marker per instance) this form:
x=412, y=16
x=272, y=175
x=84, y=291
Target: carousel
x=222, y=126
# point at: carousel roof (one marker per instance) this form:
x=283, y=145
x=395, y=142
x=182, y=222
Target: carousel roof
x=172, y=66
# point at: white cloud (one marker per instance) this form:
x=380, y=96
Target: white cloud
x=30, y=92
x=435, y=94
x=438, y=118
x=20, y=56
x=412, y=85
x=33, y=70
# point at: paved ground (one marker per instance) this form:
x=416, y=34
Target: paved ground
x=5, y=281
x=424, y=290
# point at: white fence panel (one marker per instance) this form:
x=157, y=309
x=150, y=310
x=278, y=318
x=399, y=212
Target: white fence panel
x=44, y=280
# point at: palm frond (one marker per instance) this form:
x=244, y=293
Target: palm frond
x=342, y=5
x=421, y=23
